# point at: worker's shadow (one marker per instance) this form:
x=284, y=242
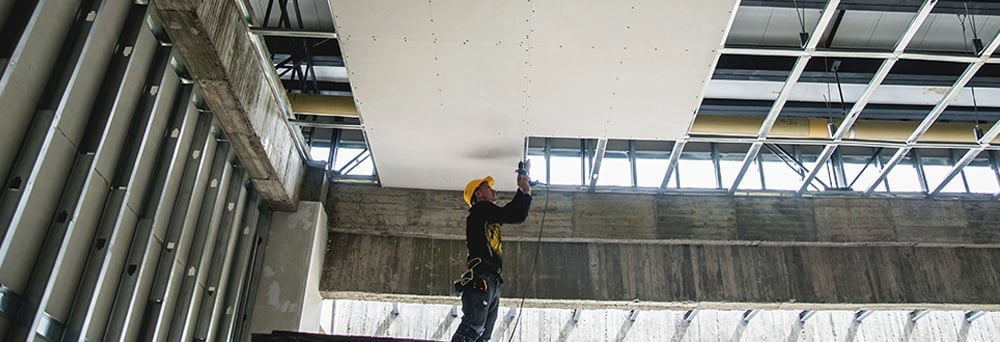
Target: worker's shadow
x=383, y=327
x=623, y=331
x=443, y=328
x=566, y=330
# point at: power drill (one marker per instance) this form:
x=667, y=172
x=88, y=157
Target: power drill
x=523, y=169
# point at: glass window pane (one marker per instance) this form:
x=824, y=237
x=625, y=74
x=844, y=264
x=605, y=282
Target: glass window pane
x=537, y=171
x=698, y=174
x=778, y=176
x=981, y=178
x=366, y=168
x=615, y=172
x=566, y=170
x=866, y=177
x=936, y=173
x=650, y=172
x=344, y=156
x=751, y=180
x=319, y=153
x=903, y=177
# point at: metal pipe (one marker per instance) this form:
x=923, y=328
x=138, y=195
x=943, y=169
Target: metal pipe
x=293, y=33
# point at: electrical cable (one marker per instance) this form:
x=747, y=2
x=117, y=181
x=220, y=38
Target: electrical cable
x=534, y=264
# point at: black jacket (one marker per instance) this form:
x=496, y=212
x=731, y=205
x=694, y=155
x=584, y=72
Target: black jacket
x=482, y=232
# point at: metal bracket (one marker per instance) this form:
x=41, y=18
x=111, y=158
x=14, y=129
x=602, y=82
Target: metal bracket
x=747, y=316
x=916, y=315
x=689, y=316
x=972, y=315
x=632, y=315
x=10, y=302
x=860, y=315
x=805, y=315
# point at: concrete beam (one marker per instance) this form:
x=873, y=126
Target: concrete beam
x=216, y=45
x=813, y=252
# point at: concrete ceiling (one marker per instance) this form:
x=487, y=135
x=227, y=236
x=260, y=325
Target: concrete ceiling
x=448, y=90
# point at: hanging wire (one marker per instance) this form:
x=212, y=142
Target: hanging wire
x=801, y=14
x=972, y=18
x=977, y=130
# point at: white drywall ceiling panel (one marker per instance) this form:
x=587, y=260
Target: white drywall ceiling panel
x=449, y=89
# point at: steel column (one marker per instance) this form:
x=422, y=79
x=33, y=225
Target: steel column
x=113, y=144
x=192, y=288
x=25, y=76
x=235, y=282
x=156, y=210
x=173, y=266
x=211, y=306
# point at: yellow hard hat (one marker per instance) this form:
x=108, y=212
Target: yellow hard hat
x=473, y=184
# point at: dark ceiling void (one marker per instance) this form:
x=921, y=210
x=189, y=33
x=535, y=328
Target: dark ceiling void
x=341, y=88
x=303, y=46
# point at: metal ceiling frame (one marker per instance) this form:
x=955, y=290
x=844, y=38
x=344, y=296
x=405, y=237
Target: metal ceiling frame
x=837, y=138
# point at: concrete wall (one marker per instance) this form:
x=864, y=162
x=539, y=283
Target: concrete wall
x=288, y=295
x=587, y=216
x=676, y=248
x=434, y=322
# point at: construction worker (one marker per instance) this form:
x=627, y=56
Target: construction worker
x=480, y=284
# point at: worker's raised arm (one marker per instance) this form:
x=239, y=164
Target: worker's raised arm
x=515, y=211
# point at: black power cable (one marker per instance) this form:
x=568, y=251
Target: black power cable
x=534, y=264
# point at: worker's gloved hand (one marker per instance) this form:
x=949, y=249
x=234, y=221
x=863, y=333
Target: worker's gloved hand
x=524, y=184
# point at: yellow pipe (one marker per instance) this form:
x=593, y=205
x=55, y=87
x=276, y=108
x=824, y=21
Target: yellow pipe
x=323, y=105
x=816, y=128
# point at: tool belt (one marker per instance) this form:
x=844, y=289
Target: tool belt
x=473, y=278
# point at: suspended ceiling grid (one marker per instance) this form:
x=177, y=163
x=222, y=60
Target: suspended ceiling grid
x=449, y=89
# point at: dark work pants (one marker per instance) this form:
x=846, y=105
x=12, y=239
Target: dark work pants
x=479, y=312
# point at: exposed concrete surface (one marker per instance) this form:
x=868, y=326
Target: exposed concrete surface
x=288, y=296
x=212, y=38
x=676, y=272
x=434, y=322
x=677, y=248
x=586, y=216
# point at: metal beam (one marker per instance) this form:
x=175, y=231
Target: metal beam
x=824, y=142
x=675, y=156
x=304, y=123
x=174, y=175
x=846, y=53
x=848, y=123
x=949, y=7
x=925, y=125
x=595, y=171
x=273, y=32
x=800, y=65
x=178, y=232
